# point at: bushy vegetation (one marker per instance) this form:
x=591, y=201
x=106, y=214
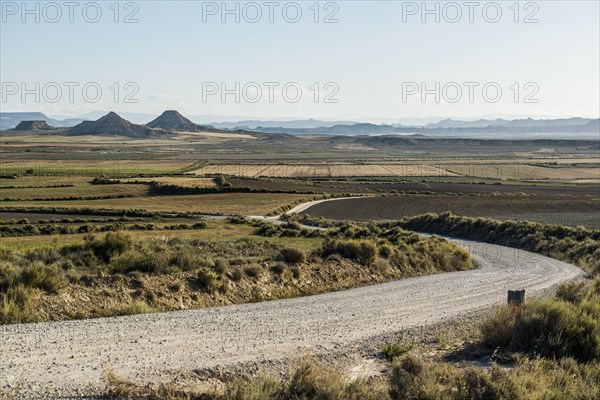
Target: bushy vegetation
x=16, y=230
x=362, y=251
x=566, y=325
x=408, y=378
x=308, y=380
x=553, y=344
x=108, y=212
x=397, y=349
x=577, y=245
x=385, y=253
x=18, y=277
x=50, y=269
x=292, y=256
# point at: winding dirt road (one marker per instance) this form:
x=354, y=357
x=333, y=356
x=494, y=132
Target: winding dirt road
x=67, y=358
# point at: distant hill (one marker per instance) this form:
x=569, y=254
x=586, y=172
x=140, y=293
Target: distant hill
x=9, y=120
x=172, y=120
x=517, y=123
x=112, y=124
x=295, y=124
x=583, y=127
x=33, y=126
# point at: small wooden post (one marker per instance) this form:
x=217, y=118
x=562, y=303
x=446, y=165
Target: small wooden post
x=516, y=298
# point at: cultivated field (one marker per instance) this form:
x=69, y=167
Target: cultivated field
x=322, y=170
x=98, y=227
x=563, y=210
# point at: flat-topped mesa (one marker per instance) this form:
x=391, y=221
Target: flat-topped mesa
x=113, y=124
x=33, y=126
x=172, y=120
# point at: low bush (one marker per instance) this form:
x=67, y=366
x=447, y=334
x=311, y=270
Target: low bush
x=398, y=348
x=112, y=244
x=567, y=325
x=577, y=245
x=139, y=307
x=48, y=278
x=292, y=256
x=207, y=279
x=15, y=305
x=253, y=271
x=361, y=251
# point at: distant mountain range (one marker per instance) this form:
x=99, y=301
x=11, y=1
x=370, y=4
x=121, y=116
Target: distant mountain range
x=518, y=123
x=451, y=128
x=9, y=120
x=293, y=124
x=172, y=121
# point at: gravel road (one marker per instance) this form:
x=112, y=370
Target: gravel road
x=67, y=358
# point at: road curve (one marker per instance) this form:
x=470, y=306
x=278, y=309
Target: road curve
x=68, y=357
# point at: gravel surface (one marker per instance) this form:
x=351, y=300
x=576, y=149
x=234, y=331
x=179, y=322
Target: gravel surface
x=50, y=360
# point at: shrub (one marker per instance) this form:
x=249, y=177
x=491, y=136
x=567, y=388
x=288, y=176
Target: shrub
x=476, y=384
x=567, y=325
x=262, y=387
x=112, y=244
x=220, y=266
x=397, y=349
x=141, y=260
x=235, y=274
x=15, y=305
x=207, y=279
x=362, y=251
x=49, y=278
x=182, y=260
x=296, y=272
x=292, y=256
x=9, y=275
x=554, y=328
x=407, y=379
x=570, y=291
x=279, y=268
x=312, y=382
x=497, y=329
x=253, y=271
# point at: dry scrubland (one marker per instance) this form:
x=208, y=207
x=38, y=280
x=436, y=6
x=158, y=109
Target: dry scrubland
x=114, y=274
x=97, y=226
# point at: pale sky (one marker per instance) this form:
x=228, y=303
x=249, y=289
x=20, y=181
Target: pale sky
x=374, y=60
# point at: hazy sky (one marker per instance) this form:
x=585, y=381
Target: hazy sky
x=374, y=61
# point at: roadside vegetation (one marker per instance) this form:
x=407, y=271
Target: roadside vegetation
x=116, y=273
x=550, y=349
x=580, y=246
